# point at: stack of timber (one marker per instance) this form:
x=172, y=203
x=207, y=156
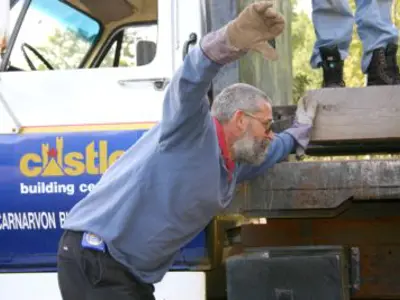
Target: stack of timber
x=351, y=120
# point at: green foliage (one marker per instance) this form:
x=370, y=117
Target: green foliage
x=303, y=38
x=305, y=78
x=65, y=50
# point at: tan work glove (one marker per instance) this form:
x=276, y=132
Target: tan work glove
x=306, y=109
x=305, y=115
x=254, y=26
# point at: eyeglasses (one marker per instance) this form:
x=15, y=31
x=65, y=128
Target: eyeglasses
x=267, y=125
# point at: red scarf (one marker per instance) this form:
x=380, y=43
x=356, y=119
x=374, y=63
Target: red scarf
x=229, y=163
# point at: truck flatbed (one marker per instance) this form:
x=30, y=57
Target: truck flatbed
x=333, y=202
x=318, y=188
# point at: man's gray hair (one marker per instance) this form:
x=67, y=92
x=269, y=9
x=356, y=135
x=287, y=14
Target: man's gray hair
x=238, y=96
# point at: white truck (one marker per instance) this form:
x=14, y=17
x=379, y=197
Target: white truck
x=80, y=81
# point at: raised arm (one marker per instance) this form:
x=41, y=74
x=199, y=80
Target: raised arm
x=185, y=104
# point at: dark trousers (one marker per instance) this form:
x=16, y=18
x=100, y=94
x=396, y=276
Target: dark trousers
x=85, y=274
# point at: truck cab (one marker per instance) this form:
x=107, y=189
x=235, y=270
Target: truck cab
x=69, y=49
x=80, y=81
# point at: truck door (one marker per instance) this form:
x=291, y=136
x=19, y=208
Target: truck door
x=80, y=82
x=49, y=66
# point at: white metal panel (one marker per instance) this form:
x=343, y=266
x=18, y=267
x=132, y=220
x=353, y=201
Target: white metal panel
x=44, y=286
x=182, y=286
x=77, y=97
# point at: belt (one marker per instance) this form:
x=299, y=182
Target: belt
x=93, y=241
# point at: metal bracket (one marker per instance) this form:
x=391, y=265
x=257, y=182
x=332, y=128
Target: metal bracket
x=355, y=270
x=158, y=83
x=191, y=41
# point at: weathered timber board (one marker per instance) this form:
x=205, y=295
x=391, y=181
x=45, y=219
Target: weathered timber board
x=357, y=114
x=320, y=186
x=285, y=115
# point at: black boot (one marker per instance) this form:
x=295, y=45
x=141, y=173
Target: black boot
x=332, y=67
x=391, y=60
x=379, y=72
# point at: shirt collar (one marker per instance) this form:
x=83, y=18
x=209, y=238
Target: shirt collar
x=229, y=163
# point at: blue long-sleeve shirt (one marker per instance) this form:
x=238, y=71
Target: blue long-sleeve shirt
x=170, y=184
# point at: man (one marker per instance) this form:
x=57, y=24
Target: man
x=124, y=235
x=333, y=23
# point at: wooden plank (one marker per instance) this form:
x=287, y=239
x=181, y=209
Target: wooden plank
x=285, y=115
x=357, y=114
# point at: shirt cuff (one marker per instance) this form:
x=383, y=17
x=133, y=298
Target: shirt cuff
x=301, y=133
x=216, y=47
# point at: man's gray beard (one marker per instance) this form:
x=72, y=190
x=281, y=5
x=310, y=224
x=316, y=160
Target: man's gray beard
x=250, y=151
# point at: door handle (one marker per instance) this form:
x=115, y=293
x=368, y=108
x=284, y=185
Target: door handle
x=158, y=83
x=191, y=41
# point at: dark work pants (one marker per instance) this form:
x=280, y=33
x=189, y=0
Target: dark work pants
x=85, y=274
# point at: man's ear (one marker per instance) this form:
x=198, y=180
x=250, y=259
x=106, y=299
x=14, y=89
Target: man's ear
x=239, y=121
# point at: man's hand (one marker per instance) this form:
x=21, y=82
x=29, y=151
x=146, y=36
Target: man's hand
x=254, y=26
x=305, y=115
x=306, y=109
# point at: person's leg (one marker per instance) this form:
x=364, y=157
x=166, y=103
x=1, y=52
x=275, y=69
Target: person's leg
x=89, y=274
x=333, y=23
x=72, y=283
x=114, y=281
x=379, y=37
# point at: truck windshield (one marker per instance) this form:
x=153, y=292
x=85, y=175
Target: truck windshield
x=54, y=35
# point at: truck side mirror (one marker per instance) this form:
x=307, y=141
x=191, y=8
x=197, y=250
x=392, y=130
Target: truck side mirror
x=4, y=24
x=145, y=52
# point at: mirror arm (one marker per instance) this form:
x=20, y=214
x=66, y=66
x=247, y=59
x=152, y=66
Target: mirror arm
x=14, y=34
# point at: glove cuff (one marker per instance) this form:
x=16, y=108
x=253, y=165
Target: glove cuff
x=301, y=133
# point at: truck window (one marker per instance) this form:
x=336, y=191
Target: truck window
x=53, y=35
x=131, y=46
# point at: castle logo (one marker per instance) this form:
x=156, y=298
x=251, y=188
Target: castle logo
x=53, y=162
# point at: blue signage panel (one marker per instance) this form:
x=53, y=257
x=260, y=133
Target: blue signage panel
x=41, y=177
